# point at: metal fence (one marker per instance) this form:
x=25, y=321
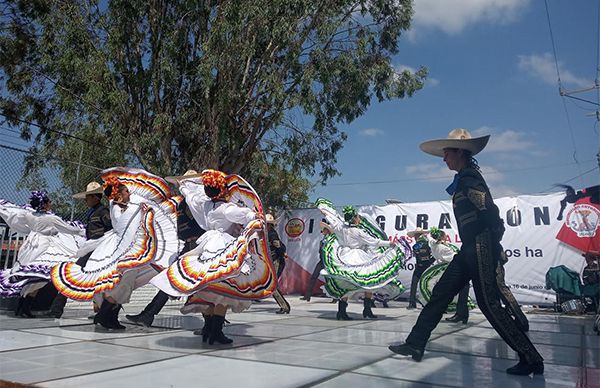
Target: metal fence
x=17, y=190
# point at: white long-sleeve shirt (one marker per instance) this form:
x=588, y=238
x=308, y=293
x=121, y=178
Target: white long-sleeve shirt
x=441, y=251
x=353, y=237
x=213, y=215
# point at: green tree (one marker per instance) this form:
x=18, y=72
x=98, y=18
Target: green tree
x=174, y=84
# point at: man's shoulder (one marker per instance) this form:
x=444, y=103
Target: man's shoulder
x=470, y=177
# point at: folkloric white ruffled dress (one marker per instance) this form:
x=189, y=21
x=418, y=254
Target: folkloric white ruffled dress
x=50, y=240
x=360, y=258
x=142, y=242
x=231, y=264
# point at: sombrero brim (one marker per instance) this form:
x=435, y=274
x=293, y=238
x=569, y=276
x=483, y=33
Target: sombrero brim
x=436, y=147
x=177, y=178
x=414, y=233
x=83, y=194
x=324, y=225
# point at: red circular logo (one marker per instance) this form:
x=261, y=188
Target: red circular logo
x=294, y=227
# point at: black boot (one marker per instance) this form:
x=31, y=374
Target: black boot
x=407, y=350
x=146, y=317
x=367, y=313
x=24, y=307
x=114, y=318
x=457, y=318
x=205, y=331
x=523, y=368
x=107, y=316
x=58, y=306
x=341, y=314
x=216, y=331
x=412, y=299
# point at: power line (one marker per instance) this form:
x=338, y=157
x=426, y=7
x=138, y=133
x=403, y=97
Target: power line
x=560, y=88
x=53, y=130
x=553, y=45
x=596, y=80
x=49, y=157
x=437, y=178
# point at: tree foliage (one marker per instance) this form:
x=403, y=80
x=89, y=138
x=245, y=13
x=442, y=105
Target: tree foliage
x=176, y=84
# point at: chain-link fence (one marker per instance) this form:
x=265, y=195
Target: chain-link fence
x=16, y=189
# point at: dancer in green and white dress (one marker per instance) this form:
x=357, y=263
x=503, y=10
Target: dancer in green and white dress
x=359, y=259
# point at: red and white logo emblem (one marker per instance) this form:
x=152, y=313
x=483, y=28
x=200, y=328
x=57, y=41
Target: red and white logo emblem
x=583, y=220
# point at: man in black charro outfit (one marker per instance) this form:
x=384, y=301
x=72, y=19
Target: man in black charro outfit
x=480, y=228
x=423, y=260
x=189, y=231
x=278, y=250
x=97, y=223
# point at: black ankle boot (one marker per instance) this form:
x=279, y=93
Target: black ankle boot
x=107, y=316
x=407, y=350
x=457, y=318
x=216, y=331
x=341, y=314
x=58, y=306
x=114, y=318
x=523, y=368
x=144, y=318
x=367, y=313
x=24, y=307
x=205, y=331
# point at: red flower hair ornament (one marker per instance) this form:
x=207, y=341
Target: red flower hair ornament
x=216, y=179
x=112, y=184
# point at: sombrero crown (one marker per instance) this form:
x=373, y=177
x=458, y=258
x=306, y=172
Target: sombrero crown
x=91, y=188
x=457, y=138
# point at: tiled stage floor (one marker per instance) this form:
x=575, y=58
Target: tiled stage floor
x=305, y=348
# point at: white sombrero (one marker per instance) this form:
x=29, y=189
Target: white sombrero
x=189, y=174
x=91, y=188
x=326, y=226
x=269, y=219
x=457, y=138
x=417, y=232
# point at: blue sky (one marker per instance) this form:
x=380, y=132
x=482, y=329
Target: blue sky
x=492, y=71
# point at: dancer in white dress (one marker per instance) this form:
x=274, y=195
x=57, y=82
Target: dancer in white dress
x=49, y=241
x=228, y=269
x=143, y=242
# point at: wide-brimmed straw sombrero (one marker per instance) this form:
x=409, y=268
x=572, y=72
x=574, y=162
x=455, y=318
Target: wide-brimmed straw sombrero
x=91, y=188
x=417, y=232
x=189, y=174
x=326, y=226
x=457, y=138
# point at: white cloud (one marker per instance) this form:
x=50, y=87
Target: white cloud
x=371, y=132
x=430, y=81
x=543, y=67
x=505, y=141
x=436, y=172
x=492, y=175
x=499, y=191
x=453, y=16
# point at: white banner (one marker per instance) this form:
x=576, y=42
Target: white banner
x=529, y=241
